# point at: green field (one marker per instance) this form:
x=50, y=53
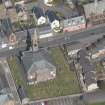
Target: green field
x=65, y=83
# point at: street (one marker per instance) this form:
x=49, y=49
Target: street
x=85, y=37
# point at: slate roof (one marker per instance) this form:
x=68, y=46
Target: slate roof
x=41, y=66
x=19, y=8
x=38, y=12
x=38, y=58
x=51, y=15
x=6, y=26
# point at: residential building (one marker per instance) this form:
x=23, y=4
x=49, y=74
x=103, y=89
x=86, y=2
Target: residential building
x=22, y=14
x=38, y=66
x=6, y=26
x=98, y=51
x=95, y=12
x=73, y=49
x=74, y=24
x=39, y=15
x=48, y=2
x=87, y=71
x=53, y=20
x=70, y=3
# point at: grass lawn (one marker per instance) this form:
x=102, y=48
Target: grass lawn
x=65, y=83
x=99, y=67
x=101, y=103
x=16, y=71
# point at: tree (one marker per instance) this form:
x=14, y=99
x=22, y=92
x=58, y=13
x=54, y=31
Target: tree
x=28, y=41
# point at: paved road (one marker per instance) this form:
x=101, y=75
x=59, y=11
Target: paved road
x=71, y=38
x=63, y=38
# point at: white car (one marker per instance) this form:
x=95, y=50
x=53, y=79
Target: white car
x=11, y=47
x=4, y=45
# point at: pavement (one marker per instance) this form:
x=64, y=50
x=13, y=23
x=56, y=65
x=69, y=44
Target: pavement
x=63, y=101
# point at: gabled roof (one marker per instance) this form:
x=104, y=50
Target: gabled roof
x=6, y=26
x=51, y=15
x=38, y=12
x=36, y=59
x=41, y=65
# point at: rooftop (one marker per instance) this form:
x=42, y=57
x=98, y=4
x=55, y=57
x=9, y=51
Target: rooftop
x=41, y=66
x=74, y=21
x=38, y=12
x=38, y=59
x=98, y=8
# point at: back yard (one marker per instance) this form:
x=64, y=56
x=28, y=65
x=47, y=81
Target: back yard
x=65, y=83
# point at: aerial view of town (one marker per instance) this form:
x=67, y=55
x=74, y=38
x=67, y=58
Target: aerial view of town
x=52, y=52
